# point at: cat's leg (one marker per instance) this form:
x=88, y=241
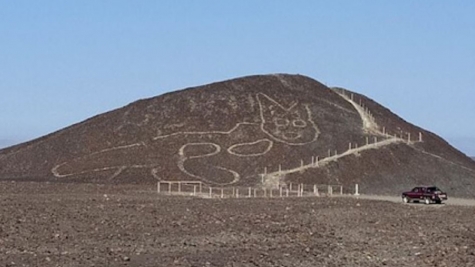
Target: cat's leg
x=200, y=161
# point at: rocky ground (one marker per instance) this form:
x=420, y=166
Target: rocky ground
x=45, y=224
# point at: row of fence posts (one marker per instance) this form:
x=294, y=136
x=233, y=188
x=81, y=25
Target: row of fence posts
x=367, y=111
x=282, y=191
x=315, y=159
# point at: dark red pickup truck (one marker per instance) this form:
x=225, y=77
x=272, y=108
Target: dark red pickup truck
x=428, y=194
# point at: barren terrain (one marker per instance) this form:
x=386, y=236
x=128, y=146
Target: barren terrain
x=49, y=224
x=242, y=132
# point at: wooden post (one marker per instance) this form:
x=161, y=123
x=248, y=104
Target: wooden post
x=237, y=192
x=329, y=153
x=255, y=192
x=313, y=161
x=349, y=146
x=329, y=190
x=356, y=190
x=286, y=192
x=262, y=178
x=375, y=139
x=367, y=140
x=280, y=191
x=201, y=187
x=316, y=161
x=280, y=169
x=194, y=190
x=249, y=192
x=384, y=130
x=210, y=192
x=179, y=187
x=158, y=187
x=420, y=137
x=234, y=192
x=222, y=192
x=408, y=137
x=169, y=188
x=301, y=163
x=341, y=190
x=301, y=190
x=290, y=186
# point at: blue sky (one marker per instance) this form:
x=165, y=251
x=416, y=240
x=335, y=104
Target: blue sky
x=62, y=62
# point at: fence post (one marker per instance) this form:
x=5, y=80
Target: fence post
x=158, y=187
x=330, y=190
x=315, y=190
x=265, y=192
x=255, y=192
x=341, y=190
x=250, y=191
x=356, y=190
x=420, y=137
x=301, y=190
x=408, y=137
x=179, y=187
x=201, y=187
x=280, y=191
x=286, y=192
x=237, y=192
x=210, y=192
x=222, y=192
x=169, y=188
x=194, y=190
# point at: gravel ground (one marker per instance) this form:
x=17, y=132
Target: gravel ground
x=91, y=225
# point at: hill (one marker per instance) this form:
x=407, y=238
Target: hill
x=247, y=131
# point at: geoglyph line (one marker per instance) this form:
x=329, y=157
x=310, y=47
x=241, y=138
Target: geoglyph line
x=369, y=126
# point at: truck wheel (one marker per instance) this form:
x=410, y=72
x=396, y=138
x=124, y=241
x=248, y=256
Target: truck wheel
x=427, y=201
x=405, y=199
x=438, y=201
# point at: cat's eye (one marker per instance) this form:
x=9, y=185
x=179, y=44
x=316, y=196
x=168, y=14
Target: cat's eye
x=299, y=123
x=281, y=122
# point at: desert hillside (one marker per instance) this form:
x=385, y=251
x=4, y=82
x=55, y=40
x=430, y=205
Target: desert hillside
x=256, y=130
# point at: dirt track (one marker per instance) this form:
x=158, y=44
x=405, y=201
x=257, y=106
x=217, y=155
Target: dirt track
x=92, y=225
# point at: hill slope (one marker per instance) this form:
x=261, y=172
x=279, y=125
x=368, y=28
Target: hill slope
x=269, y=128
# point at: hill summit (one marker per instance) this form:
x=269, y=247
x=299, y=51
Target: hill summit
x=256, y=130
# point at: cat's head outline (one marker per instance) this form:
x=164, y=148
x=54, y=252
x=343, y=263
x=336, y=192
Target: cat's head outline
x=293, y=125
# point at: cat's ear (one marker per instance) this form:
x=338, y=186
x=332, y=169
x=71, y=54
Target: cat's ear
x=269, y=107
